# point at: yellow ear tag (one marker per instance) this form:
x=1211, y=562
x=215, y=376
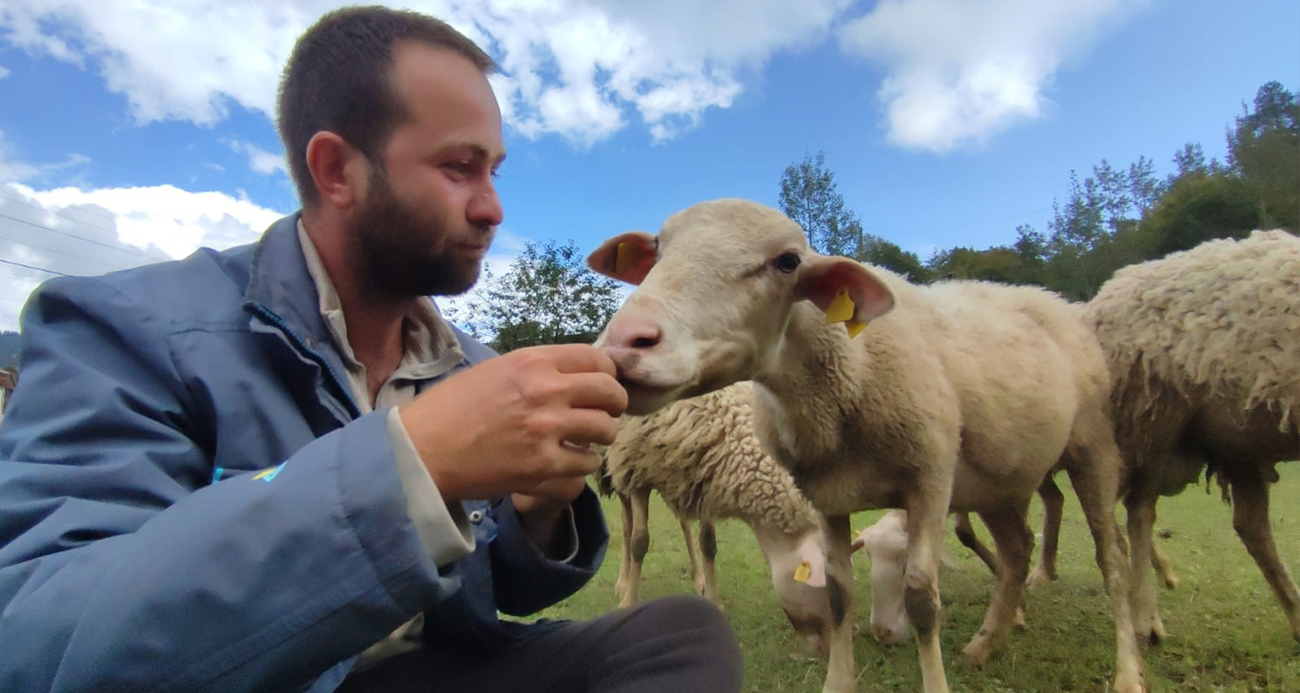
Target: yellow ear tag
x=625, y=257
x=803, y=572
x=854, y=327
x=840, y=309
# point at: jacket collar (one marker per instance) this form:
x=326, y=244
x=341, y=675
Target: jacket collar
x=280, y=284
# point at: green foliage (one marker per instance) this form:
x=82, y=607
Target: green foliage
x=548, y=296
x=1264, y=151
x=882, y=253
x=1199, y=208
x=809, y=197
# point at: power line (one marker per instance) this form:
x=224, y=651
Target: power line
x=29, y=244
x=47, y=210
x=106, y=216
x=73, y=235
x=32, y=267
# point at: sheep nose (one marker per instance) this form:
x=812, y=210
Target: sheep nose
x=627, y=332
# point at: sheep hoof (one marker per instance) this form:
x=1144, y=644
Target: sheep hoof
x=1039, y=578
x=1131, y=686
x=1153, y=635
x=1171, y=582
x=977, y=652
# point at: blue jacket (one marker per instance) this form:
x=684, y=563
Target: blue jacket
x=136, y=551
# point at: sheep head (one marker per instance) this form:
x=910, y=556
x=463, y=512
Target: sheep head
x=715, y=292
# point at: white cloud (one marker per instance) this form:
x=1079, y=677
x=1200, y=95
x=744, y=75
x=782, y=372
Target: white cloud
x=4, y=72
x=75, y=231
x=960, y=72
x=259, y=160
x=582, y=69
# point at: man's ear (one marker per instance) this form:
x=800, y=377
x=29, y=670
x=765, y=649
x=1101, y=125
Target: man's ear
x=338, y=170
x=864, y=298
x=627, y=257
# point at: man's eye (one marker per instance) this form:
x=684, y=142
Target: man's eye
x=787, y=262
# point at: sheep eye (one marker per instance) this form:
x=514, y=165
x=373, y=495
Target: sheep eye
x=787, y=262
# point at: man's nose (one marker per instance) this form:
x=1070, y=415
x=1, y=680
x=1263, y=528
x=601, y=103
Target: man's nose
x=485, y=208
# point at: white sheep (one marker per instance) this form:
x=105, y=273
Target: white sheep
x=963, y=397
x=702, y=457
x=1204, y=350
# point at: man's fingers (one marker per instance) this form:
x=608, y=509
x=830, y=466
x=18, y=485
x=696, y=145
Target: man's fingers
x=581, y=427
x=579, y=358
x=575, y=460
x=596, y=391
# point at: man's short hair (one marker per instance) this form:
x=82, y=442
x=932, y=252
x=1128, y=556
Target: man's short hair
x=339, y=78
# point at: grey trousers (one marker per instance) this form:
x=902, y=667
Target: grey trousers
x=676, y=644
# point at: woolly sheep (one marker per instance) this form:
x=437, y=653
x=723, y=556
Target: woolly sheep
x=1204, y=350
x=702, y=457
x=965, y=396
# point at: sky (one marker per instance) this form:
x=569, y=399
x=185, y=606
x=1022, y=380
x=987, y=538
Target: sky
x=135, y=131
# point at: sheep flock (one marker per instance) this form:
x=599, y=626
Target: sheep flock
x=958, y=397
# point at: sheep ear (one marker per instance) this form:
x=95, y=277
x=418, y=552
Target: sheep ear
x=627, y=257
x=843, y=289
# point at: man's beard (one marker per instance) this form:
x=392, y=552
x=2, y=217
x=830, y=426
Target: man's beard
x=394, y=250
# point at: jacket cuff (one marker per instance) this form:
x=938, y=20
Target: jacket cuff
x=526, y=580
x=443, y=528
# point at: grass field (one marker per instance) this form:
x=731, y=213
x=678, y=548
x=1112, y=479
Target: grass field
x=1226, y=631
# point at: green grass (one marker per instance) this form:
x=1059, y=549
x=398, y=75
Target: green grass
x=1226, y=631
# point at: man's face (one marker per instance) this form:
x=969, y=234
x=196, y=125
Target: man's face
x=431, y=208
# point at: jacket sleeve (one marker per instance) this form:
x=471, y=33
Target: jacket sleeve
x=525, y=581
x=123, y=569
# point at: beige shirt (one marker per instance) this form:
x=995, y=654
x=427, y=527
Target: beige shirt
x=430, y=349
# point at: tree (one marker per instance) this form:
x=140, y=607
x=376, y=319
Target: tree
x=809, y=197
x=1264, y=150
x=548, y=296
x=882, y=253
x=1197, y=209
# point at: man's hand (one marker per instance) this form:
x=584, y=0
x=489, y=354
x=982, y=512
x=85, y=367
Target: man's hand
x=520, y=423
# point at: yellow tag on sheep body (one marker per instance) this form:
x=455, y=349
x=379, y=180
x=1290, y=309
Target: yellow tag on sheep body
x=625, y=257
x=803, y=572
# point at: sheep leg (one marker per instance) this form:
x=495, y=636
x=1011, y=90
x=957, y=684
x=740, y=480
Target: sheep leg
x=966, y=535
x=839, y=581
x=692, y=554
x=1164, y=569
x=1095, y=475
x=625, y=565
x=1141, y=506
x=640, y=540
x=926, y=513
x=1015, y=543
x=1053, y=505
x=709, y=552
x=1250, y=519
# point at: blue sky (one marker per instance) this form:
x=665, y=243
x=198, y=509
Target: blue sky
x=137, y=130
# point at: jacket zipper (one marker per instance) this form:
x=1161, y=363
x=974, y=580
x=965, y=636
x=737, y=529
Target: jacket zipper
x=276, y=320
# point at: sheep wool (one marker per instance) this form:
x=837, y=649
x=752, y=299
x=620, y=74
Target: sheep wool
x=1220, y=320
x=702, y=457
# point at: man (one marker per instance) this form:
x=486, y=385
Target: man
x=257, y=470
